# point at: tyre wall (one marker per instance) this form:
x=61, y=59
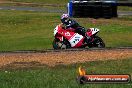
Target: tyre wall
x=95, y=9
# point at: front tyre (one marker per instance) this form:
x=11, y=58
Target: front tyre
x=99, y=42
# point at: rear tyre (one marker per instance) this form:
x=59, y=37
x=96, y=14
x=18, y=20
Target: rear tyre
x=57, y=44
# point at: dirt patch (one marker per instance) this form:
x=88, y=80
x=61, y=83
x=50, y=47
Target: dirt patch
x=55, y=58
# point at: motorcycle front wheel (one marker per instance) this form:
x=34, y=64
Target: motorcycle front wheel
x=98, y=42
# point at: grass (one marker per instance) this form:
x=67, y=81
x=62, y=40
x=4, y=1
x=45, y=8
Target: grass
x=57, y=4
x=50, y=4
x=43, y=1
x=25, y=30
x=124, y=8
x=63, y=76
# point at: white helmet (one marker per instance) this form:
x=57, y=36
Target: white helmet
x=64, y=16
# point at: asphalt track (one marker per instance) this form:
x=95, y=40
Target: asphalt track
x=40, y=9
x=65, y=50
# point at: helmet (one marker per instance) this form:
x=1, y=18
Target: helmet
x=64, y=16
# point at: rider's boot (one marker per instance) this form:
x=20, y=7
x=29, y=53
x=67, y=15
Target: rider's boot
x=88, y=39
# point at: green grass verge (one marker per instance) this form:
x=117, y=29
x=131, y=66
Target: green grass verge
x=50, y=4
x=25, y=30
x=44, y=1
x=124, y=8
x=63, y=76
x=59, y=2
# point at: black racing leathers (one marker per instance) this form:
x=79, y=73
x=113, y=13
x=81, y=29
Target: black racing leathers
x=69, y=23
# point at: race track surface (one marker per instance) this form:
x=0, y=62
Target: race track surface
x=37, y=59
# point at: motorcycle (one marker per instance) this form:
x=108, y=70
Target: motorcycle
x=65, y=39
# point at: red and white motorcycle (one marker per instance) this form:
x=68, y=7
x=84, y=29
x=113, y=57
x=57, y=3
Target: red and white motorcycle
x=69, y=39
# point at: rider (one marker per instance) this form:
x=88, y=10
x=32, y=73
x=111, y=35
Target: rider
x=70, y=23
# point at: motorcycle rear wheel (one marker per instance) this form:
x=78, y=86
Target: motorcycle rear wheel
x=57, y=44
